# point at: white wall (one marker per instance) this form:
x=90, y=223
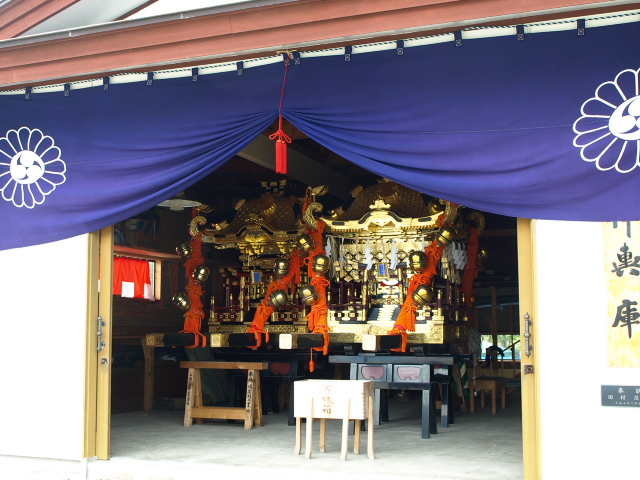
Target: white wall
x=580, y=437
x=42, y=344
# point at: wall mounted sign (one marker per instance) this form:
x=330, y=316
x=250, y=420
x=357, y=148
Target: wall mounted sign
x=622, y=273
x=620, y=396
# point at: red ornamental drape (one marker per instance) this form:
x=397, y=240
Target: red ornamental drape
x=132, y=278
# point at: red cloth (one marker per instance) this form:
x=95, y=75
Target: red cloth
x=132, y=278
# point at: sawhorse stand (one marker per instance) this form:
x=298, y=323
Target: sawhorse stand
x=252, y=411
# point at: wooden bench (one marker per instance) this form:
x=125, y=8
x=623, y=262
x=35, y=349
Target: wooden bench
x=341, y=399
x=252, y=411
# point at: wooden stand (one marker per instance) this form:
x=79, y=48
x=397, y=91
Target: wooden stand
x=344, y=399
x=250, y=413
x=489, y=383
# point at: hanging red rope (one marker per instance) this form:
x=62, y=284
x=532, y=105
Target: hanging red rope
x=406, y=321
x=280, y=137
x=193, y=318
x=264, y=310
x=317, y=318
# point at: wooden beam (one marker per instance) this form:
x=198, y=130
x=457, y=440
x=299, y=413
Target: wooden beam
x=219, y=365
x=225, y=340
x=136, y=10
x=376, y=343
x=141, y=252
x=289, y=341
x=172, y=41
x=18, y=16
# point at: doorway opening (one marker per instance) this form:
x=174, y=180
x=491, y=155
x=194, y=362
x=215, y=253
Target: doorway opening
x=140, y=415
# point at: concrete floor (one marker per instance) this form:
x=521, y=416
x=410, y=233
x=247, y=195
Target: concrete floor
x=156, y=446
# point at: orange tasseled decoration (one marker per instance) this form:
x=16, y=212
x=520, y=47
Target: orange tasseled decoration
x=264, y=310
x=406, y=321
x=193, y=317
x=317, y=318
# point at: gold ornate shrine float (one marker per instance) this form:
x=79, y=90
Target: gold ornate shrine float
x=393, y=271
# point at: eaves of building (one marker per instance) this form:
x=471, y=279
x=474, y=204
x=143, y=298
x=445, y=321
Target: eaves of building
x=248, y=30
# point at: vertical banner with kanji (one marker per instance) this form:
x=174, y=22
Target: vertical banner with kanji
x=622, y=272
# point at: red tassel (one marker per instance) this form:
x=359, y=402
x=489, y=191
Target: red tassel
x=281, y=156
x=281, y=139
x=312, y=364
x=285, y=157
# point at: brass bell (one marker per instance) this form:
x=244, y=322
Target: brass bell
x=305, y=242
x=201, y=273
x=483, y=255
x=422, y=294
x=417, y=261
x=308, y=295
x=184, y=250
x=281, y=267
x=321, y=264
x=445, y=236
x=182, y=301
x=278, y=299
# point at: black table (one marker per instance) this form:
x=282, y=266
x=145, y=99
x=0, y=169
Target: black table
x=403, y=372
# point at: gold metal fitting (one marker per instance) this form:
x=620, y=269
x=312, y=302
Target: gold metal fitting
x=278, y=299
x=201, y=273
x=308, y=295
x=182, y=301
x=184, y=250
x=445, y=236
x=281, y=267
x=321, y=264
x=483, y=255
x=422, y=295
x=305, y=242
x=417, y=261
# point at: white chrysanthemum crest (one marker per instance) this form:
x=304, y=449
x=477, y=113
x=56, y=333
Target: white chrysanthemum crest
x=30, y=167
x=608, y=132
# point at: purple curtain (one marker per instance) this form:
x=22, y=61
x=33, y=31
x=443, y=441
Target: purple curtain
x=75, y=164
x=489, y=124
x=545, y=127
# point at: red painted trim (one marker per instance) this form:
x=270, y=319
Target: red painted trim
x=18, y=16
